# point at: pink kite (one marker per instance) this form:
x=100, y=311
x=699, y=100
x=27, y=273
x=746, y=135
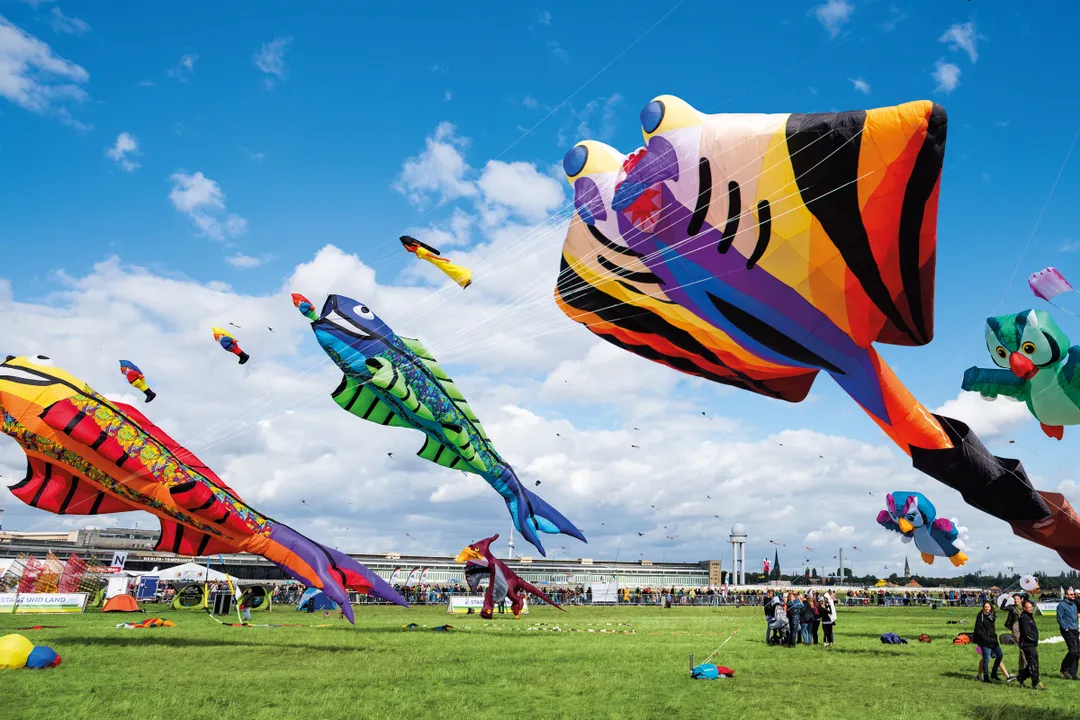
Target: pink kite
x=1048, y=283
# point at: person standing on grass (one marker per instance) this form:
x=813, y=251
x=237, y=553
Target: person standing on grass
x=794, y=608
x=985, y=636
x=815, y=603
x=1067, y=623
x=828, y=618
x=806, y=619
x=768, y=616
x=1029, y=646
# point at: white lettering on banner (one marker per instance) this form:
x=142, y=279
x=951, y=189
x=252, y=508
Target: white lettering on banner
x=463, y=603
x=19, y=603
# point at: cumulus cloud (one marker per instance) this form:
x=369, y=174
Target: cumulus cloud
x=69, y=25
x=832, y=533
x=521, y=188
x=203, y=200
x=833, y=15
x=123, y=150
x=35, y=78
x=988, y=419
x=947, y=76
x=963, y=38
x=439, y=170
x=184, y=68
x=270, y=59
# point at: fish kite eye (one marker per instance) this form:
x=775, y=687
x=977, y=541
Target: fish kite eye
x=652, y=115
x=575, y=159
x=1001, y=352
x=1028, y=348
x=365, y=312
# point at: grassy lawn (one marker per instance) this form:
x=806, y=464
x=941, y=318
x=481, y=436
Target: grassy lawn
x=500, y=668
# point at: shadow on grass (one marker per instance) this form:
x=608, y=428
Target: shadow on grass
x=970, y=677
x=1018, y=712
x=180, y=641
x=863, y=651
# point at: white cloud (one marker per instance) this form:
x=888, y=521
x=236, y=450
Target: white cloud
x=947, y=76
x=123, y=150
x=203, y=200
x=146, y=83
x=896, y=15
x=521, y=188
x=1070, y=246
x=963, y=37
x=448, y=96
x=70, y=25
x=184, y=69
x=33, y=77
x=246, y=262
x=271, y=59
x=559, y=51
x=833, y=15
x=544, y=17
x=439, y=170
x=530, y=102
x=988, y=419
x=832, y=533
x=860, y=85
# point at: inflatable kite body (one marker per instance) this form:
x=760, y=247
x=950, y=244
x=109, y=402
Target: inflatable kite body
x=89, y=456
x=503, y=582
x=228, y=342
x=761, y=250
x=136, y=378
x=462, y=276
x=1028, y=349
x=392, y=380
x=913, y=516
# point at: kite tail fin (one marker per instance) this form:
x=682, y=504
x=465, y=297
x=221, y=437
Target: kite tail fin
x=150, y=394
x=331, y=571
x=540, y=594
x=549, y=520
x=244, y=357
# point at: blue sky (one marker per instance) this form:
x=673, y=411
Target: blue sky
x=297, y=119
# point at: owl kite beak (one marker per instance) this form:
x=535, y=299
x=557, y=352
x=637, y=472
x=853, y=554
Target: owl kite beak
x=905, y=526
x=1022, y=367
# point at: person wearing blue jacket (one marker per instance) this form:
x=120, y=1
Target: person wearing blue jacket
x=1070, y=630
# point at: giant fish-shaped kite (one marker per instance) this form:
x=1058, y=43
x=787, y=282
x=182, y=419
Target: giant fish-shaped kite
x=1028, y=349
x=481, y=563
x=89, y=456
x=760, y=250
x=393, y=380
x=913, y=516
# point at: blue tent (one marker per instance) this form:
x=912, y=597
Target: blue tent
x=315, y=599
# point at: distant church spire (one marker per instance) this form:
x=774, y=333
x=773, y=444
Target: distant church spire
x=907, y=568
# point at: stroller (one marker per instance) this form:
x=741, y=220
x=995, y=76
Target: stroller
x=780, y=627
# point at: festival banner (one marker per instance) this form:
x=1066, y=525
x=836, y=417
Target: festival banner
x=462, y=604
x=25, y=603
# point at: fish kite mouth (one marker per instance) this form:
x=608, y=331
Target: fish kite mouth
x=638, y=196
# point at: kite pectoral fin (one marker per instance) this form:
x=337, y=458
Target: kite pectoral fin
x=442, y=454
x=181, y=540
x=992, y=382
x=55, y=489
x=360, y=400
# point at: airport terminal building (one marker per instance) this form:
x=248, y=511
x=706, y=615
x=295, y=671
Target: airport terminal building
x=138, y=544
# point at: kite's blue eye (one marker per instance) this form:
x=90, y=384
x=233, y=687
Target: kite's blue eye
x=574, y=160
x=651, y=116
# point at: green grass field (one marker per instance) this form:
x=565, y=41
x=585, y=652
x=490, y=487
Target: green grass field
x=500, y=668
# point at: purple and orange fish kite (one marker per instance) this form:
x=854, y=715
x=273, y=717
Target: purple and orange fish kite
x=760, y=250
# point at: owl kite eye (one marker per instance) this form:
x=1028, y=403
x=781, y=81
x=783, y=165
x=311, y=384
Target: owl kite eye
x=1001, y=352
x=1028, y=348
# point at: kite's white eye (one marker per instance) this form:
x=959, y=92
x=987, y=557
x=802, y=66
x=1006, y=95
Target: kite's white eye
x=43, y=360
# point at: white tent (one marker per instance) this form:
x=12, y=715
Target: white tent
x=190, y=573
